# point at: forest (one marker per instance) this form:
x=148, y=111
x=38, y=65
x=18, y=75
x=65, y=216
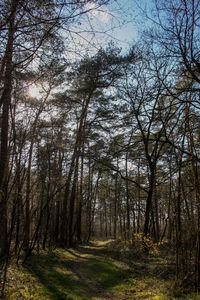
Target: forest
x=99, y=142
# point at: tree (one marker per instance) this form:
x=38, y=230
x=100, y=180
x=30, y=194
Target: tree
x=174, y=42
x=89, y=80
x=26, y=28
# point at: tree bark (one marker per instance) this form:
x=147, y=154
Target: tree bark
x=6, y=102
x=64, y=221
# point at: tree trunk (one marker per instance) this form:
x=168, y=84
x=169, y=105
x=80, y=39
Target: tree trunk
x=89, y=200
x=71, y=206
x=139, y=199
x=6, y=101
x=80, y=200
x=77, y=146
x=127, y=201
x=115, y=207
x=149, y=201
x=178, y=228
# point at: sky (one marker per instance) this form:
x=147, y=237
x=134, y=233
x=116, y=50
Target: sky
x=120, y=21
x=124, y=20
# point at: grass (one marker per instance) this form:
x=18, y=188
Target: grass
x=95, y=272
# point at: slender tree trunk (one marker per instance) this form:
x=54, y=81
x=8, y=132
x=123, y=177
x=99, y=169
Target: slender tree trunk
x=27, y=200
x=57, y=203
x=101, y=224
x=139, y=199
x=89, y=199
x=115, y=207
x=28, y=179
x=77, y=146
x=127, y=200
x=170, y=218
x=149, y=201
x=57, y=221
x=72, y=205
x=157, y=226
x=6, y=101
x=119, y=209
x=105, y=218
x=195, y=171
x=46, y=229
x=80, y=200
x=94, y=201
x=178, y=228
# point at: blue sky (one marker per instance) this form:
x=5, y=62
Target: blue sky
x=119, y=21
x=123, y=19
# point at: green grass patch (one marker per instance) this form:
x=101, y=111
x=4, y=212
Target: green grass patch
x=93, y=271
x=104, y=273
x=48, y=276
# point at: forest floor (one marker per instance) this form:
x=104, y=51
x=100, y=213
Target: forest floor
x=95, y=271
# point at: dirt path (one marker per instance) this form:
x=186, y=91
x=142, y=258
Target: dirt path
x=97, y=271
x=104, y=274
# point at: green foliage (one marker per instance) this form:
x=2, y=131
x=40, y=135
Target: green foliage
x=138, y=245
x=142, y=244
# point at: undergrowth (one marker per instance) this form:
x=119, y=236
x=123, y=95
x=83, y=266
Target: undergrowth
x=99, y=270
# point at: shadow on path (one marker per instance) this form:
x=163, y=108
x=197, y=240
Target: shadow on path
x=86, y=273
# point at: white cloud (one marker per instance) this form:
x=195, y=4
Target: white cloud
x=103, y=15
x=100, y=14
